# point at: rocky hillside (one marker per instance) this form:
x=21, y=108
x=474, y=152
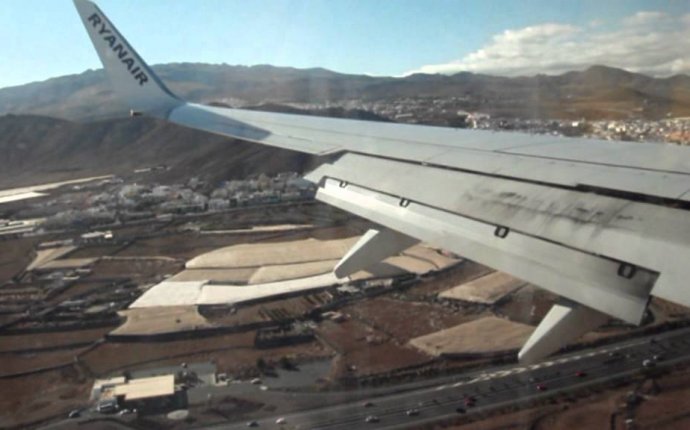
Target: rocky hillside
x=36, y=150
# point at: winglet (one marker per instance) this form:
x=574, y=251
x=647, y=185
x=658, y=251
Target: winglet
x=133, y=81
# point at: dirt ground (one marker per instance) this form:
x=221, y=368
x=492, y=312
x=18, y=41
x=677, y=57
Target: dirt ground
x=15, y=255
x=80, y=288
x=365, y=350
x=231, y=352
x=50, y=340
x=404, y=319
x=185, y=246
x=13, y=363
x=463, y=272
x=471, y=337
x=670, y=310
x=488, y=289
x=227, y=316
x=528, y=305
x=157, y=320
x=140, y=270
x=42, y=396
x=94, y=251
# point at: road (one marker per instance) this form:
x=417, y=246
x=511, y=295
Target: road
x=500, y=387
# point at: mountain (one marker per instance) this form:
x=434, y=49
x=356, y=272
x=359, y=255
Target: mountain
x=35, y=150
x=595, y=93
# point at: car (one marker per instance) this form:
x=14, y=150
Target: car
x=107, y=407
x=125, y=412
x=580, y=373
x=470, y=401
x=648, y=363
x=371, y=419
x=412, y=412
x=255, y=381
x=368, y=404
x=76, y=413
x=252, y=424
x=281, y=420
x=541, y=387
x=658, y=357
x=460, y=410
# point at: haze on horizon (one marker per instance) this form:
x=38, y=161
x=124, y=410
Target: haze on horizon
x=364, y=37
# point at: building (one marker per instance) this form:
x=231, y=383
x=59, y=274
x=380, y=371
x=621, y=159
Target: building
x=96, y=237
x=156, y=393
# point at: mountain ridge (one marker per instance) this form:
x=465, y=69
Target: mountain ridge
x=596, y=92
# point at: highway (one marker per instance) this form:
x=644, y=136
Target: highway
x=491, y=389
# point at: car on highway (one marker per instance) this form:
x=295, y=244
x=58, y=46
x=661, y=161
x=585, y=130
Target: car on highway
x=541, y=387
x=252, y=424
x=412, y=412
x=281, y=420
x=470, y=401
x=460, y=410
x=371, y=419
x=76, y=413
x=648, y=363
x=368, y=404
x=580, y=373
x=658, y=357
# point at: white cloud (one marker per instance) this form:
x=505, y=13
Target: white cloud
x=647, y=42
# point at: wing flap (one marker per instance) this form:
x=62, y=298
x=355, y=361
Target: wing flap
x=647, y=236
x=581, y=277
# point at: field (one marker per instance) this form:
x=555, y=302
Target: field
x=484, y=336
x=21, y=342
x=231, y=353
x=169, y=319
x=42, y=396
x=487, y=290
x=364, y=350
x=403, y=319
x=15, y=256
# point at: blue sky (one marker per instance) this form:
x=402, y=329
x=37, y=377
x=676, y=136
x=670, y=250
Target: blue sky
x=44, y=38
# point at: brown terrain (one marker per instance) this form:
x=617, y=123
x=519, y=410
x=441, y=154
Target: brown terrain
x=50, y=372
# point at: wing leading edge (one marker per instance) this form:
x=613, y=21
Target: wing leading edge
x=602, y=224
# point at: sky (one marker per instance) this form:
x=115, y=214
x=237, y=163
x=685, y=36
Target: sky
x=44, y=38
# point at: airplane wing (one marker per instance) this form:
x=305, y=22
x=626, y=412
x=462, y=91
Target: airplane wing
x=603, y=224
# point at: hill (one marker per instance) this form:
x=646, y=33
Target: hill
x=35, y=149
x=595, y=93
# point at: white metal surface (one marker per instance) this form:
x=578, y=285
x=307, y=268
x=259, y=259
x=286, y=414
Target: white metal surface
x=641, y=234
x=564, y=323
x=372, y=247
x=581, y=277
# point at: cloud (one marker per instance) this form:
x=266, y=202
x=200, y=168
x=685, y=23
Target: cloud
x=647, y=42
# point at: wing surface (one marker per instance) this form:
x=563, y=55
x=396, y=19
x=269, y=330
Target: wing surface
x=603, y=224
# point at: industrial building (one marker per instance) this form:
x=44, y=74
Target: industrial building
x=141, y=394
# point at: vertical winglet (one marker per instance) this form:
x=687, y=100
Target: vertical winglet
x=133, y=81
